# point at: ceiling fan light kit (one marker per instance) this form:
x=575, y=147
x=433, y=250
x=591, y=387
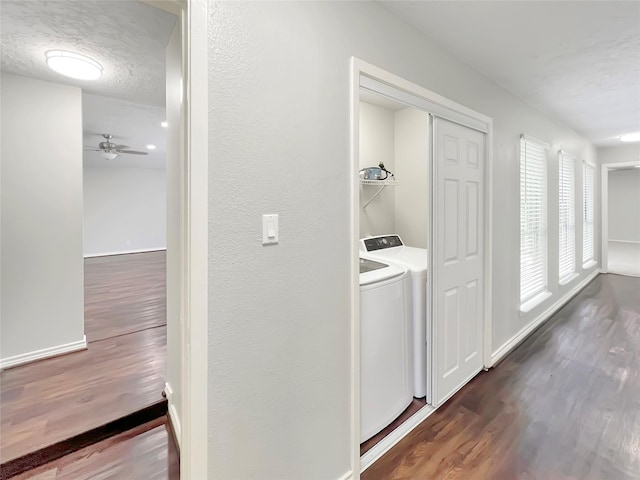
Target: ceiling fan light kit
x=110, y=150
x=109, y=155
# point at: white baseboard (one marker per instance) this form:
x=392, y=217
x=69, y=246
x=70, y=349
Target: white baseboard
x=507, y=347
x=124, y=252
x=625, y=241
x=173, y=413
x=29, y=357
x=624, y=273
x=384, y=445
x=347, y=476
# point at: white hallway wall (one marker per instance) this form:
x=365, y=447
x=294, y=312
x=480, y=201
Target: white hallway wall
x=629, y=152
x=624, y=205
x=377, y=144
x=41, y=211
x=412, y=167
x=124, y=210
x=279, y=317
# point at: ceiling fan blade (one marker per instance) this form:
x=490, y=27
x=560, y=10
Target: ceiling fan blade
x=121, y=147
x=92, y=149
x=133, y=152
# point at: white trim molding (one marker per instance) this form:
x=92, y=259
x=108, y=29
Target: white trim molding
x=506, y=348
x=388, y=442
x=534, y=302
x=125, y=252
x=174, y=418
x=29, y=357
x=624, y=241
x=195, y=251
x=348, y=476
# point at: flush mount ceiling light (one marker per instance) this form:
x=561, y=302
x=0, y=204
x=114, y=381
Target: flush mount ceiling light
x=164, y=124
x=630, y=137
x=73, y=65
x=151, y=147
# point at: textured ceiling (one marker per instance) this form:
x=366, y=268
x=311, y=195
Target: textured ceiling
x=579, y=62
x=127, y=37
x=130, y=124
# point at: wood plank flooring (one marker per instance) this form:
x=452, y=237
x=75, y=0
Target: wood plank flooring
x=144, y=453
x=121, y=372
x=48, y=401
x=413, y=408
x=564, y=405
x=124, y=294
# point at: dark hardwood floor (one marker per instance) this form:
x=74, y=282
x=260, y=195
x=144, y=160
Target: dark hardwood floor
x=146, y=452
x=55, y=399
x=563, y=405
x=413, y=408
x=124, y=294
x=48, y=401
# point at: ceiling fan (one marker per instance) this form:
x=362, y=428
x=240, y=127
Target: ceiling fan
x=111, y=150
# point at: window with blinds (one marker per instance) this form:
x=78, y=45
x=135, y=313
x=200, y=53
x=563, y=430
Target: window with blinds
x=567, y=214
x=533, y=218
x=588, y=232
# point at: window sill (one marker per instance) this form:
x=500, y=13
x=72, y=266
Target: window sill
x=589, y=264
x=568, y=279
x=534, y=302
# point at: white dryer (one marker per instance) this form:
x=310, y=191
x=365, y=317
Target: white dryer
x=386, y=386
x=390, y=248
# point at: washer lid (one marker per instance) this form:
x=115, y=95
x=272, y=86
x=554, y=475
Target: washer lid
x=373, y=271
x=370, y=265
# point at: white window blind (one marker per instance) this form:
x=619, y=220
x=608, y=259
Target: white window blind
x=567, y=214
x=588, y=213
x=533, y=218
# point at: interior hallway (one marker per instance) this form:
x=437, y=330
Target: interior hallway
x=563, y=405
x=122, y=371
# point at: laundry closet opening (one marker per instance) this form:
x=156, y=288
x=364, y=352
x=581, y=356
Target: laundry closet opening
x=394, y=228
x=422, y=242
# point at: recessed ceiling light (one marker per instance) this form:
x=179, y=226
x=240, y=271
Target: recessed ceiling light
x=73, y=65
x=151, y=147
x=164, y=124
x=630, y=137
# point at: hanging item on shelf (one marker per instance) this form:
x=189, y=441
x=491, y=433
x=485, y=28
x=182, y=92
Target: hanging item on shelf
x=375, y=173
x=378, y=176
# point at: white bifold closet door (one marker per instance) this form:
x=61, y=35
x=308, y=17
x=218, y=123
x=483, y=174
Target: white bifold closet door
x=458, y=305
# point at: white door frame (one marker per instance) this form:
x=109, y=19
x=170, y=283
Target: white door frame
x=194, y=236
x=395, y=87
x=195, y=256
x=604, y=210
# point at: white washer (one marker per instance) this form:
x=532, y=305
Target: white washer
x=386, y=386
x=390, y=248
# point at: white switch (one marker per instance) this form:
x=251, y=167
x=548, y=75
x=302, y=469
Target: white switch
x=269, y=229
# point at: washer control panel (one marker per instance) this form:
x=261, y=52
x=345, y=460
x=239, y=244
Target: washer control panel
x=380, y=243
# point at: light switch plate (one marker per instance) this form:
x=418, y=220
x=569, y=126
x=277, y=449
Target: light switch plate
x=269, y=228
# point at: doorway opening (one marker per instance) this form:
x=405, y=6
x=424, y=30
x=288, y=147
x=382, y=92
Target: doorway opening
x=115, y=377
x=422, y=183
x=620, y=194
